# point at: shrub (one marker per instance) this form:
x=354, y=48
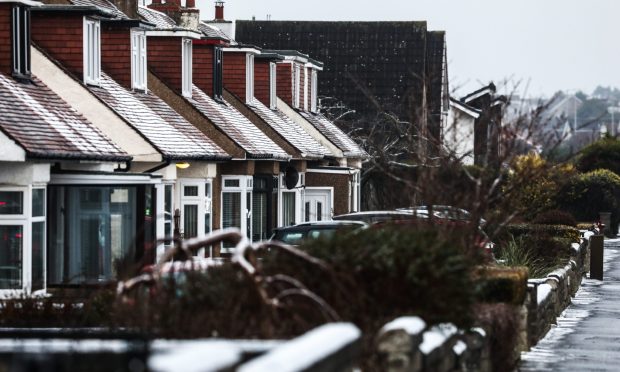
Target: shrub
x=522, y=252
x=590, y=193
x=554, y=231
x=555, y=217
x=502, y=325
x=603, y=154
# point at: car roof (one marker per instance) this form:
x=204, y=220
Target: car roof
x=324, y=224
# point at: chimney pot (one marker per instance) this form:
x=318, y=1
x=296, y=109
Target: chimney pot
x=219, y=10
x=190, y=4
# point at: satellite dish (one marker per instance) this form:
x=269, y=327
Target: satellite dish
x=291, y=177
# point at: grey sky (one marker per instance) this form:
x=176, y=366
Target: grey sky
x=553, y=44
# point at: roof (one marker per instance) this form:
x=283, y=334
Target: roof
x=212, y=32
x=290, y=130
x=46, y=127
x=237, y=127
x=371, y=67
x=159, y=124
x=159, y=19
x=335, y=135
x=103, y=4
x=489, y=89
x=471, y=111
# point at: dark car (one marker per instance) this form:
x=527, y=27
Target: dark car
x=446, y=212
x=379, y=216
x=296, y=234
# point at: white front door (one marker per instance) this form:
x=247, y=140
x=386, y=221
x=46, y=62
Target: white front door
x=318, y=205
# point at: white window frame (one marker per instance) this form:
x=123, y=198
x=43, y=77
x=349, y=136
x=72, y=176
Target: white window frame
x=92, y=51
x=20, y=35
x=245, y=188
x=25, y=220
x=249, y=77
x=272, y=86
x=186, y=62
x=138, y=60
x=313, y=91
x=296, y=81
x=299, y=198
x=305, y=89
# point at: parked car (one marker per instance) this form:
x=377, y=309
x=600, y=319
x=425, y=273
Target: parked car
x=371, y=217
x=295, y=235
x=447, y=212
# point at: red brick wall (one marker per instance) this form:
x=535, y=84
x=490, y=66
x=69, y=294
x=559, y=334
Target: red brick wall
x=61, y=36
x=234, y=73
x=116, y=54
x=203, y=68
x=261, y=81
x=165, y=60
x=6, y=54
x=284, y=81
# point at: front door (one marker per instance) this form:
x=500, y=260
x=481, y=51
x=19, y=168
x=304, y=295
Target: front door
x=317, y=205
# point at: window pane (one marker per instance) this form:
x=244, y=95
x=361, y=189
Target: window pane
x=307, y=211
x=319, y=211
x=38, y=255
x=231, y=211
x=190, y=191
x=231, y=183
x=11, y=243
x=288, y=208
x=38, y=202
x=259, y=216
x=168, y=213
x=92, y=232
x=11, y=202
x=190, y=221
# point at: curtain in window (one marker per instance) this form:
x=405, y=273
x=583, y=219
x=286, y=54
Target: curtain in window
x=190, y=221
x=231, y=211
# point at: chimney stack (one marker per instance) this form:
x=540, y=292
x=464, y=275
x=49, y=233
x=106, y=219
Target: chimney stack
x=219, y=10
x=190, y=3
x=187, y=16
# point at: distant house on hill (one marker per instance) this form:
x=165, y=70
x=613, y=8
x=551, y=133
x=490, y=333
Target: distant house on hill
x=371, y=67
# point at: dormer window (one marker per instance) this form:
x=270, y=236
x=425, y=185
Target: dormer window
x=249, y=78
x=186, y=84
x=313, y=91
x=138, y=60
x=272, y=86
x=296, y=81
x=21, y=41
x=218, y=57
x=92, y=51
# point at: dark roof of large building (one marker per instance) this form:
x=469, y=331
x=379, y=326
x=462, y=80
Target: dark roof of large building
x=237, y=127
x=46, y=127
x=370, y=66
x=292, y=132
x=335, y=135
x=158, y=123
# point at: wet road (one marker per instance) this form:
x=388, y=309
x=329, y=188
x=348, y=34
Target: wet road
x=587, y=336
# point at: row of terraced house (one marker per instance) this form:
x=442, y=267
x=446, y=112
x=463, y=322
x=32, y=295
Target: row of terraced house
x=114, y=115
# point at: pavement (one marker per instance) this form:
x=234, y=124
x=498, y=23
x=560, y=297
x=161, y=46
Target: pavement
x=587, y=336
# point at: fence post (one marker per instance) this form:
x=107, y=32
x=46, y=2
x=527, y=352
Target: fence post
x=596, y=257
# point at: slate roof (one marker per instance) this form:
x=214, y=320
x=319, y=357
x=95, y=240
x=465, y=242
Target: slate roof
x=46, y=127
x=334, y=134
x=159, y=19
x=371, y=67
x=289, y=130
x=104, y=4
x=213, y=32
x=159, y=124
x=236, y=126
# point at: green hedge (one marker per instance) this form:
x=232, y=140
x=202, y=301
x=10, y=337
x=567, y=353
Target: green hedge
x=554, y=231
x=603, y=154
x=588, y=194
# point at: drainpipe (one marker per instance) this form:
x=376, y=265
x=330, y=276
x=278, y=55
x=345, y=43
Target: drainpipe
x=158, y=167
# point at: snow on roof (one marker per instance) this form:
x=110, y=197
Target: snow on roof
x=47, y=127
x=104, y=4
x=164, y=128
x=335, y=135
x=159, y=19
x=213, y=32
x=289, y=130
x=236, y=126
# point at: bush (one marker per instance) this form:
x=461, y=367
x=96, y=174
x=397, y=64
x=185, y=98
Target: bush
x=554, y=231
x=588, y=194
x=515, y=253
x=555, y=217
x=603, y=154
x=502, y=324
